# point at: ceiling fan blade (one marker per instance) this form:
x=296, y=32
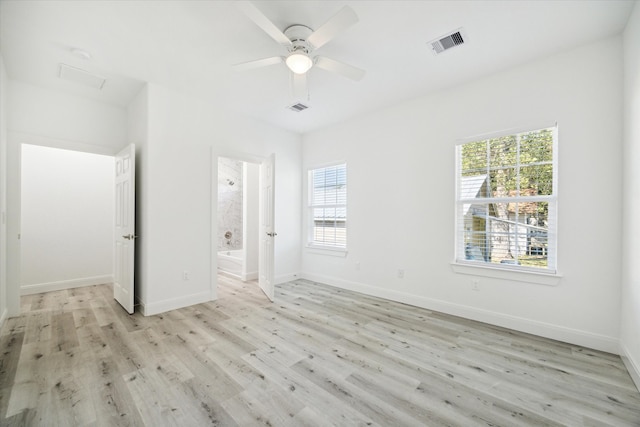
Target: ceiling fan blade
x=299, y=88
x=338, y=67
x=244, y=66
x=263, y=22
x=342, y=20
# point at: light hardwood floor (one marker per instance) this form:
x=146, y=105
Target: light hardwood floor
x=317, y=356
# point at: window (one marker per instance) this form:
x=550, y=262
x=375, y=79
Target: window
x=506, y=201
x=328, y=206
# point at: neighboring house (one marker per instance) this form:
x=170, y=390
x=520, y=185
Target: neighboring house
x=489, y=238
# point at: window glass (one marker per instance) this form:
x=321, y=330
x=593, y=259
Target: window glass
x=506, y=206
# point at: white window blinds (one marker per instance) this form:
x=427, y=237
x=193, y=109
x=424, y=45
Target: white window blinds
x=328, y=206
x=506, y=201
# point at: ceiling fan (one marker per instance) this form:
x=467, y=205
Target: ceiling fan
x=300, y=42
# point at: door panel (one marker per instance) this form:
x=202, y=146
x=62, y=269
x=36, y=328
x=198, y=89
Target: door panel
x=267, y=226
x=124, y=233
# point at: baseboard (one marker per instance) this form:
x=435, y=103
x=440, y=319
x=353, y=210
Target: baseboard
x=284, y=278
x=232, y=275
x=547, y=330
x=632, y=366
x=252, y=275
x=65, y=284
x=150, y=309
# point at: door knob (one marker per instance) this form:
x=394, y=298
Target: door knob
x=272, y=234
x=129, y=236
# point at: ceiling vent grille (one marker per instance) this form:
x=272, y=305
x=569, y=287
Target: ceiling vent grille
x=298, y=107
x=82, y=77
x=451, y=40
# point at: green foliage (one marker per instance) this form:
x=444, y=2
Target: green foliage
x=517, y=165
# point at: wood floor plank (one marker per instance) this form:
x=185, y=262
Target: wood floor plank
x=232, y=365
x=112, y=399
x=197, y=393
x=263, y=404
x=124, y=349
x=220, y=385
x=318, y=356
x=63, y=332
x=379, y=409
x=302, y=389
x=32, y=381
x=150, y=397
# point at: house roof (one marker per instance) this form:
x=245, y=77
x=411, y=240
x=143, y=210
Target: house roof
x=470, y=187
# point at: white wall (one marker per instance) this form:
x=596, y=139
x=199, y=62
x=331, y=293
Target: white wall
x=3, y=192
x=401, y=180
x=630, y=315
x=179, y=178
x=66, y=219
x=94, y=126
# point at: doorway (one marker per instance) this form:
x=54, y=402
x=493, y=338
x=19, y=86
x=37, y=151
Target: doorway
x=66, y=219
x=243, y=214
x=238, y=217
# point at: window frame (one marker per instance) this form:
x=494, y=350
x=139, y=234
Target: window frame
x=548, y=275
x=319, y=247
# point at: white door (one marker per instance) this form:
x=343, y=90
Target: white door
x=267, y=231
x=124, y=233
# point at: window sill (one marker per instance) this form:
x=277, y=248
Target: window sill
x=325, y=250
x=549, y=279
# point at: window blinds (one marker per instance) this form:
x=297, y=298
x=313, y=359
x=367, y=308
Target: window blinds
x=328, y=206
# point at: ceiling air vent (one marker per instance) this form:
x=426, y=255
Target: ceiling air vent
x=80, y=76
x=298, y=107
x=447, y=42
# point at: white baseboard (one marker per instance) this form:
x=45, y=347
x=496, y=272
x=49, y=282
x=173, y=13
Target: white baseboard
x=284, y=278
x=149, y=309
x=252, y=275
x=632, y=366
x=547, y=330
x=65, y=284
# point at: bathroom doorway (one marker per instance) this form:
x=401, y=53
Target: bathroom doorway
x=238, y=219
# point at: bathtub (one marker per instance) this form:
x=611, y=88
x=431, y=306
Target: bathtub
x=230, y=262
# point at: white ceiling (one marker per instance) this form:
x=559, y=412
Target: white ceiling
x=191, y=45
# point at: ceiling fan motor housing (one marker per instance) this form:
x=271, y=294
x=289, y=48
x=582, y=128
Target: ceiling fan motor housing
x=298, y=34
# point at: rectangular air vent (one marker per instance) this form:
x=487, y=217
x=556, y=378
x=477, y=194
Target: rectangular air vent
x=451, y=40
x=80, y=76
x=297, y=107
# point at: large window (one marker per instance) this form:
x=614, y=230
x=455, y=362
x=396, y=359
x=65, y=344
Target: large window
x=328, y=207
x=506, y=201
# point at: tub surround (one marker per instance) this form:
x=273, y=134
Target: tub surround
x=230, y=204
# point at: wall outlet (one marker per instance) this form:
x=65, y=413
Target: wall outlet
x=475, y=284
x=400, y=273
x=186, y=275
x=358, y=265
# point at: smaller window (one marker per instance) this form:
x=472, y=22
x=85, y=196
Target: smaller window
x=328, y=207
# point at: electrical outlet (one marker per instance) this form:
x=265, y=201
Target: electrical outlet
x=400, y=273
x=186, y=275
x=474, y=284
x=358, y=265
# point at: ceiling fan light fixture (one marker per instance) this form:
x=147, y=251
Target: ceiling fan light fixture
x=299, y=62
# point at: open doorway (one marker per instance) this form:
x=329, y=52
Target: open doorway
x=67, y=200
x=258, y=173
x=238, y=219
